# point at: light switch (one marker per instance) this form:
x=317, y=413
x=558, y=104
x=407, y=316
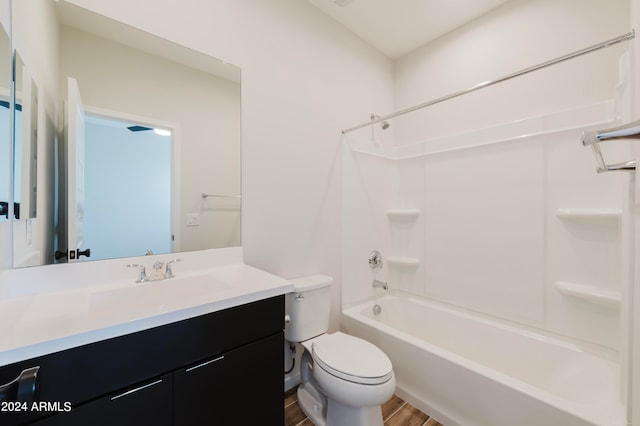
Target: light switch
x=193, y=219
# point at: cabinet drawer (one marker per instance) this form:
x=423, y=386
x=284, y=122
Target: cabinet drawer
x=148, y=403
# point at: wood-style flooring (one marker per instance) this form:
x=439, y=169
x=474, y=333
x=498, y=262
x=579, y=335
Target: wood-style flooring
x=395, y=412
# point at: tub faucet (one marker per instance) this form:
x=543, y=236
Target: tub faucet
x=380, y=284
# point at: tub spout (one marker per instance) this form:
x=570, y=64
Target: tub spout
x=380, y=284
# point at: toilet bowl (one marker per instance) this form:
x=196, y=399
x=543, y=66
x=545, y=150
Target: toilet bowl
x=344, y=379
x=355, y=376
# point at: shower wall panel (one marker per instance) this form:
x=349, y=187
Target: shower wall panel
x=484, y=229
x=366, y=187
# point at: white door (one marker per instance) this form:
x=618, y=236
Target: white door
x=75, y=172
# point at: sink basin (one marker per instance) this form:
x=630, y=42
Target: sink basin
x=157, y=296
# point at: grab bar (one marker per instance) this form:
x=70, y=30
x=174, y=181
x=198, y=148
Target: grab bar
x=592, y=138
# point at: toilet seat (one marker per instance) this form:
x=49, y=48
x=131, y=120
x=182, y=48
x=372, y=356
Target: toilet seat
x=352, y=359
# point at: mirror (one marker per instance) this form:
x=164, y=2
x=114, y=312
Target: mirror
x=25, y=142
x=5, y=118
x=25, y=155
x=121, y=188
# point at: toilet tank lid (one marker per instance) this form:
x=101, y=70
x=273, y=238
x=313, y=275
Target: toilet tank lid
x=311, y=282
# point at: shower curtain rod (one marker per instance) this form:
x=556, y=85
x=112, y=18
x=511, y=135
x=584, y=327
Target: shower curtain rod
x=628, y=36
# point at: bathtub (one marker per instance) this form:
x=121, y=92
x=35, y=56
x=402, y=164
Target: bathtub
x=467, y=370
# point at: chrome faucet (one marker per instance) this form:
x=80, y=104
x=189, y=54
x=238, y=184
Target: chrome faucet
x=142, y=273
x=157, y=274
x=380, y=284
x=168, y=272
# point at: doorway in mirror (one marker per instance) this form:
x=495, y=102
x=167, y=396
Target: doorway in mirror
x=128, y=184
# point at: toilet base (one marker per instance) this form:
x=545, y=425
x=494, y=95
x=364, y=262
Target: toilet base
x=312, y=403
x=326, y=412
x=343, y=415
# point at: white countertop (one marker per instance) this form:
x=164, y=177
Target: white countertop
x=38, y=324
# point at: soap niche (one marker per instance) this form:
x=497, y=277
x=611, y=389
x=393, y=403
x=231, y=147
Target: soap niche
x=594, y=235
x=405, y=239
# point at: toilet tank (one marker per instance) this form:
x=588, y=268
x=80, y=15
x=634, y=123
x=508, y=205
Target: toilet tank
x=308, y=308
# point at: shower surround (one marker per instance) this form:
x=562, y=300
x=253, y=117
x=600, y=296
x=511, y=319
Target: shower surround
x=511, y=225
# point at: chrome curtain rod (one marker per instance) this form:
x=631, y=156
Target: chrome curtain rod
x=613, y=41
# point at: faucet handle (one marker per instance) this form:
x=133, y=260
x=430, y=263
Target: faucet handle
x=168, y=272
x=142, y=273
x=158, y=265
x=375, y=259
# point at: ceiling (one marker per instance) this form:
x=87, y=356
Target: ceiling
x=396, y=27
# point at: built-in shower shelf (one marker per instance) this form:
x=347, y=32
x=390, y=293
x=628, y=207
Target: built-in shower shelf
x=404, y=262
x=403, y=215
x=589, y=214
x=589, y=293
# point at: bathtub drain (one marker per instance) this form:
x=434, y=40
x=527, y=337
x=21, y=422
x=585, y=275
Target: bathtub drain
x=377, y=309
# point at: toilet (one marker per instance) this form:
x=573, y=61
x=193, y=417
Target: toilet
x=343, y=379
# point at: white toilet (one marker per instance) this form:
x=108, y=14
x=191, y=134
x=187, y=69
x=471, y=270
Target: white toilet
x=344, y=379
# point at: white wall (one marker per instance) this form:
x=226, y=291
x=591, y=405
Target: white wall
x=516, y=35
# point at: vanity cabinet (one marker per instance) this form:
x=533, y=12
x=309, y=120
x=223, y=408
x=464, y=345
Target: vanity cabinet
x=211, y=369
x=242, y=386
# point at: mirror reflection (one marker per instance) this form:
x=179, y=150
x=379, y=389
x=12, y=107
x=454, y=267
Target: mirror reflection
x=145, y=223
x=25, y=142
x=5, y=133
x=147, y=127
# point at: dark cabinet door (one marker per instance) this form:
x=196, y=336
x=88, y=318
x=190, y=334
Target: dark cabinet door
x=147, y=404
x=242, y=386
x=199, y=393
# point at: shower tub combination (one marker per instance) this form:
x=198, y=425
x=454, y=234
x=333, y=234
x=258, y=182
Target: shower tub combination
x=468, y=370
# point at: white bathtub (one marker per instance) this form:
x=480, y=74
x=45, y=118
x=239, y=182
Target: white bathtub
x=466, y=370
